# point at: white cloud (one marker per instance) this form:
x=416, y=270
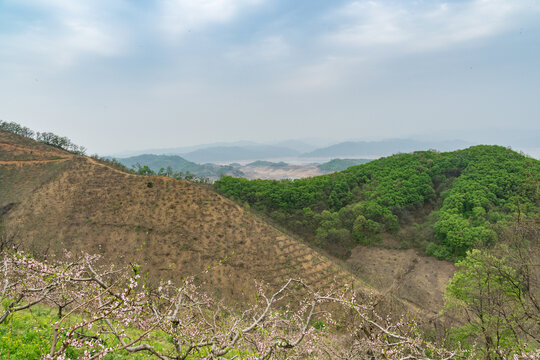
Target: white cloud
x=425, y=26
x=65, y=31
x=373, y=30
x=181, y=16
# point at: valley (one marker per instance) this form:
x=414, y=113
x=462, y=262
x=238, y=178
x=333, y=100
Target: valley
x=173, y=228
x=269, y=180
x=259, y=169
x=324, y=230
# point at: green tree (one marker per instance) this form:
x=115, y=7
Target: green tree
x=143, y=170
x=496, y=293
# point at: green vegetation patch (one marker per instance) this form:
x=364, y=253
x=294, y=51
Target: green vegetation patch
x=28, y=335
x=459, y=195
x=341, y=164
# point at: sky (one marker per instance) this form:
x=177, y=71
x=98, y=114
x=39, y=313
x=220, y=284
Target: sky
x=117, y=75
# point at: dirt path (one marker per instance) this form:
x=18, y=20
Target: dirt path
x=95, y=162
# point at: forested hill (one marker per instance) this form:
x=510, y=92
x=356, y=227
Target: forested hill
x=446, y=203
x=175, y=163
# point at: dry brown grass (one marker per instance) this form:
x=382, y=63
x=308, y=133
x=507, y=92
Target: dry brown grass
x=173, y=228
x=15, y=148
x=418, y=280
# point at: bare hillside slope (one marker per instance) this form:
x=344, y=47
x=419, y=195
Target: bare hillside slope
x=173, y=228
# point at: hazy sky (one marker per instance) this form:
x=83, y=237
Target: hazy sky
x=115, y=75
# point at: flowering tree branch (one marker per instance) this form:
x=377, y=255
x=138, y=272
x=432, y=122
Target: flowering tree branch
x=110, y=310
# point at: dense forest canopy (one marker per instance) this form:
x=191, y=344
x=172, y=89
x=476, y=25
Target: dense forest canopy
x=458, y=196
x=341, y=164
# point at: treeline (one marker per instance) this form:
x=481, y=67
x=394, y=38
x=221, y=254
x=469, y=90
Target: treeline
x=48, y=138
x=169, y=172
x=458, y=196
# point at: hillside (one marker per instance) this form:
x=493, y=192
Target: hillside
x=53, y=201
x=179, y=164
x=42, y=162
x=445, y=203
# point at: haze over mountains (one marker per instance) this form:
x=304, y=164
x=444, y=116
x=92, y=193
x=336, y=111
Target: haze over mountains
x=319, y=150
x=259, y=169
x=301, y=158
x=296, y=151
x=177, y=163
x=384, y=147
x=220, y=154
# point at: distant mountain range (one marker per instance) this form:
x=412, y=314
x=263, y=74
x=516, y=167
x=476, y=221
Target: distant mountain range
x=383, y=148
x=318, y=150
x=257, y=169
x=179, y=164
x=239, y=153
x=299, y=146
x=244, y=151
x=182, y=149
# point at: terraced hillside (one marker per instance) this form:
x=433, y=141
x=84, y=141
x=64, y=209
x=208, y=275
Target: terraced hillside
x=53, y=200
